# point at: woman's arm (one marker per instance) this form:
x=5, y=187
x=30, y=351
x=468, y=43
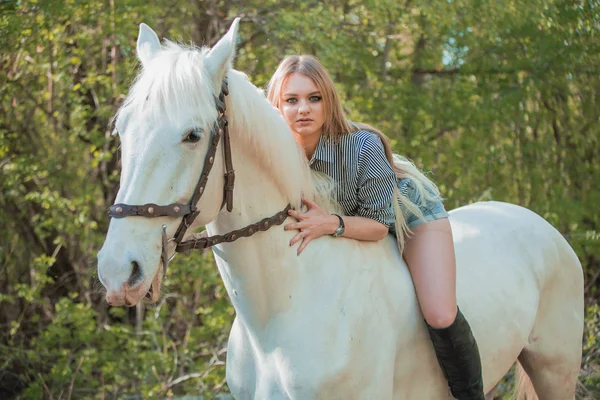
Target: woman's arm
x=315, y=223
x=362, y=228
x=375, y=184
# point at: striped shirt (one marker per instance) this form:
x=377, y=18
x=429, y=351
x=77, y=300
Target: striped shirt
x=365, y=180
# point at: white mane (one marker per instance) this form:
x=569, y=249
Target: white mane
x=175, y=80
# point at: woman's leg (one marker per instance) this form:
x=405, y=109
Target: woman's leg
x=429, y=253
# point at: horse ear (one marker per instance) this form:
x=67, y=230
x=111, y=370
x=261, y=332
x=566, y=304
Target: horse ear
x=148, y=44
x=219, y=60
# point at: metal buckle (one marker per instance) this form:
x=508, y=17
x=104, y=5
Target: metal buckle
x=230, y=179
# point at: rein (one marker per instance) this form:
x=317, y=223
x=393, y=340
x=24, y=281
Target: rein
x=188, y=212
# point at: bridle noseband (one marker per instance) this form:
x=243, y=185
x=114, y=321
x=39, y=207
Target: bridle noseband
x=189, y=211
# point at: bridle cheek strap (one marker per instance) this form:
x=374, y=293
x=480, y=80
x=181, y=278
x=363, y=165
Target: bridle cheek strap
x=229, y=171
x=164, y=255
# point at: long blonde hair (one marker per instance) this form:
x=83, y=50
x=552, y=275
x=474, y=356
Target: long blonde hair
x=336, y=124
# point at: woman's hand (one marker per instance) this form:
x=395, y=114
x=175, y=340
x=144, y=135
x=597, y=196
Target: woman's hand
x=312, y=224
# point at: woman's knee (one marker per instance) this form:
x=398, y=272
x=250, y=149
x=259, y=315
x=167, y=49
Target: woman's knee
x=440, y=317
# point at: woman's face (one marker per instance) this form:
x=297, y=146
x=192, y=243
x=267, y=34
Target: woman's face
x=301, y=104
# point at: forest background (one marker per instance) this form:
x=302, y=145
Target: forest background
x=499, y=100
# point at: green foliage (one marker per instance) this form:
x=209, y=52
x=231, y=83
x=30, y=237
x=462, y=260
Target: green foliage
x=176, y=349
x=497, y=99
x=591, y=353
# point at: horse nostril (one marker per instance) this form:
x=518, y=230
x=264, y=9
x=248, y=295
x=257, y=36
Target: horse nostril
x=136, y=274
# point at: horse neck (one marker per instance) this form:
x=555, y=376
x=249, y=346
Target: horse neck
x=258, y=270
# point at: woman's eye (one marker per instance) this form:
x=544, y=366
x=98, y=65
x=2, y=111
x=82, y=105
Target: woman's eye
x=291, y=100
x=193, y=136
x=314, y=99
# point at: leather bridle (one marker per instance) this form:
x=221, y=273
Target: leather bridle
x=188, y=212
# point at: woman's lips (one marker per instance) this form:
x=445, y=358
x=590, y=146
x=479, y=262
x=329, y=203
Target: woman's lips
x=304, y=121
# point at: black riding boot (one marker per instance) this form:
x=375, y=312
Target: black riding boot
x=458, y=355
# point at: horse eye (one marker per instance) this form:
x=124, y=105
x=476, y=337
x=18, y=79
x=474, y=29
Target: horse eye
x=193, y=136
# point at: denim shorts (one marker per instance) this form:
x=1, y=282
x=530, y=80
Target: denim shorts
x=431, y=210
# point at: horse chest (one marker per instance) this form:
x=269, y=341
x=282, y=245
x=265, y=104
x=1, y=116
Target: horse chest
x=299, y=364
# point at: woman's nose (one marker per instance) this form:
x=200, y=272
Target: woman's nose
x=303, y=107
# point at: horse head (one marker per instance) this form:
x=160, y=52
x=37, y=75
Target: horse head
x=167, y=127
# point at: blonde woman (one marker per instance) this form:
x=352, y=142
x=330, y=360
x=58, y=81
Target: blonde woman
x=379, y=192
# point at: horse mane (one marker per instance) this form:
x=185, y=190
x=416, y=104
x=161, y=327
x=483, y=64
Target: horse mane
x=176, y=80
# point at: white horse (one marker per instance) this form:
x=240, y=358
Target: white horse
x=341, y=320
